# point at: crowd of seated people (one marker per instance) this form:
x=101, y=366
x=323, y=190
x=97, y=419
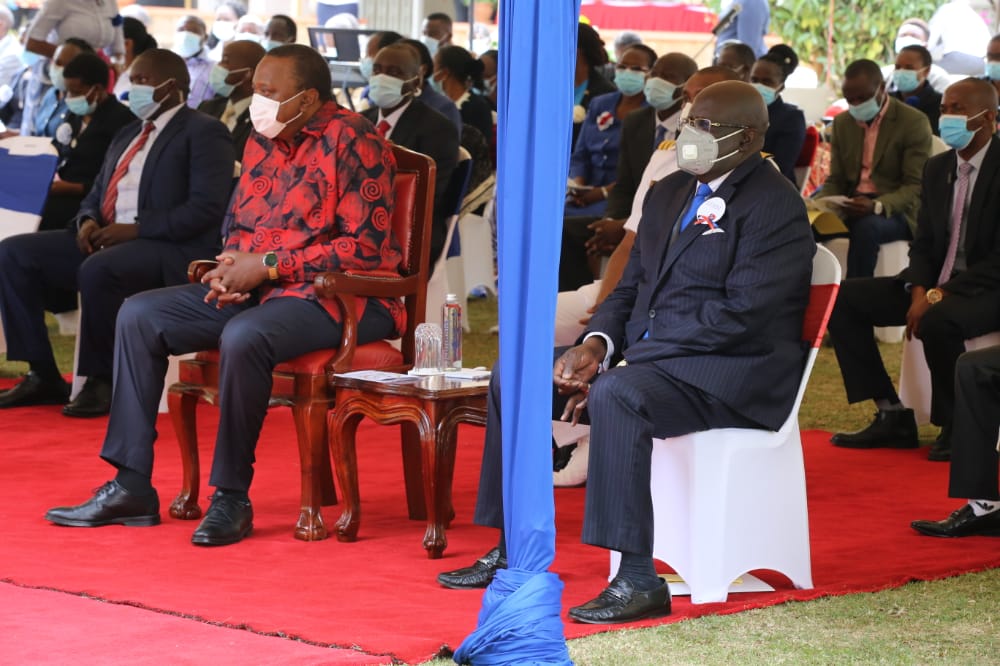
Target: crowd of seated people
x=142, y=186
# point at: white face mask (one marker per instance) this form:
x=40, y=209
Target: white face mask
x=224, y=30
x=264, y=114
x=186, y=44
x=698, y=151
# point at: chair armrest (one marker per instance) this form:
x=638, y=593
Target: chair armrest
x=387, y=285
x=198, y=268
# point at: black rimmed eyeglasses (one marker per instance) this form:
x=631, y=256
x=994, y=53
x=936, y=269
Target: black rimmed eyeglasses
x=706, y=125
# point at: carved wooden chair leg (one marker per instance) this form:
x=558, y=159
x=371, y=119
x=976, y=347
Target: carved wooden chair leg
x=182, y=406
x=343, y=449
x=310, y=424
x=413, y=470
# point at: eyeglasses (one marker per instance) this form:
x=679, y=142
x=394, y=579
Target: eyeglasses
x=706, y=125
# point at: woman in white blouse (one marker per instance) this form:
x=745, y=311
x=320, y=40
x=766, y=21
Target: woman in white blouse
x=95, y=21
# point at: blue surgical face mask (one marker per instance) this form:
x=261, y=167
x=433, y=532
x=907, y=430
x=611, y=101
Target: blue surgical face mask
x=28, y=58
x=366, y=65
x=955, y=131
x=187, y=44
x=866, y=111
x=579, y=92
x=80, y=105
x=630, y=82
x=141, y=99
x=217, y=79
x=767, y=92
x=386, y=92
x=431, y=43
x=436, y=85
x=56, y=76
x=271, y=44
x=993, y=71
x=659, y=93
x=906, y=80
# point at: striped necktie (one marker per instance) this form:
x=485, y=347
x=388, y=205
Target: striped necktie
x=111, y=191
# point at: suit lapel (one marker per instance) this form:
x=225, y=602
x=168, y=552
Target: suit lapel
x=885, y=129
x=687, y=237
x=162, y=140
x=402, y=132
x=984, y=181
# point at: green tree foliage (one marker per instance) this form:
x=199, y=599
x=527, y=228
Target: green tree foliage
x=860, y=29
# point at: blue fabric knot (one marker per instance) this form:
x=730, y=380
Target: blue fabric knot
x=703, y=193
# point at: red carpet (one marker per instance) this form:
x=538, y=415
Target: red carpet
x=379, y=595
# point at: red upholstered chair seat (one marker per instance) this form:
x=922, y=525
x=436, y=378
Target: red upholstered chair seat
x=301, y=383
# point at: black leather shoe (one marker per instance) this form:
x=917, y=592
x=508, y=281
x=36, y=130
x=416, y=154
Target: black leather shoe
x=110, y=505
x=891, y=429
x=33, y=390
x=94, y=399
x=620, y=602
x=478, y=575
x=229, y=519
x=941, y=449
x=963, y=522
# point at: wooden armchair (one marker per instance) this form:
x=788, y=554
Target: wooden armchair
x=302, y=382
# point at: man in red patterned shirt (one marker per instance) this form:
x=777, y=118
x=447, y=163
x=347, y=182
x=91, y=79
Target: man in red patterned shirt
x=315, y=195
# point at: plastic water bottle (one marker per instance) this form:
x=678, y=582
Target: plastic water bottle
x=451, y=330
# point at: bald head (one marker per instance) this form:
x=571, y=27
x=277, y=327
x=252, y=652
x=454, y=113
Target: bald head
x=975, y=95
x=732, y=102
x=161, y=65
x=705, y=77
x=243, y=53
x=674, y=67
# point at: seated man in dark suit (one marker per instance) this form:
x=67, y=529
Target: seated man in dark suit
x=157, y=203
x=232, y=80
x=708, y=316
x=95, y=116
x=877, y=154
x=911, y=86
x=405, y=120
x=974, y=460
x=643, y=130
x=315, y=195
x=949, y=292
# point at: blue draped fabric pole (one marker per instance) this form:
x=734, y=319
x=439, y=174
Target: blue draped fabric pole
x=520, y=618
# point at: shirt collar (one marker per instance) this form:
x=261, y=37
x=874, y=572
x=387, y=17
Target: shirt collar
x=976, y=160
x=463, y=99
x=167, y=116
x=240, y=106
x=393, y=117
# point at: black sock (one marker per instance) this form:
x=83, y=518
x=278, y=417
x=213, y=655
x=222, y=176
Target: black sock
x=47, y=370
x=503, y=544
x=232, y=492
x=639, y=570
x=134, y=482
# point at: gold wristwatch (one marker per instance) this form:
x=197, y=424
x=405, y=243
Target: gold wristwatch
x=271, y=262
x=934, y=295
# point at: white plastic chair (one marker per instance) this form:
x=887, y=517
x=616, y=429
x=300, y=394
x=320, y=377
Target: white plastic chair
x=915, y=378
x=892, y=258
x=732, y=500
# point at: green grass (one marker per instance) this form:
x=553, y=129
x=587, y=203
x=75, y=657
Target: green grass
x=951, y=621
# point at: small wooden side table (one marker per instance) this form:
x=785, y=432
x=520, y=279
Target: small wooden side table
x=429, y=409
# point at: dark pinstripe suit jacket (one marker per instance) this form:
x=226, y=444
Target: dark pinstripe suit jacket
x=723, y=310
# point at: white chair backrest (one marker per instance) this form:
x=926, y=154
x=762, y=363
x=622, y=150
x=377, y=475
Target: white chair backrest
x=826, y=268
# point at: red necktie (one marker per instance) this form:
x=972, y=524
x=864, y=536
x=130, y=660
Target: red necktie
x=111, y=191
x=383, y=128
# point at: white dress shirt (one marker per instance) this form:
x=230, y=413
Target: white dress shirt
x=393, y=117
x=957, y=28
x=127, y=205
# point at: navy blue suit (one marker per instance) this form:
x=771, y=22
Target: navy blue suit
x=723, y=312
x=184, y=187
x=786, y=132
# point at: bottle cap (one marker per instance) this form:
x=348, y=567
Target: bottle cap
x=451, y=298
